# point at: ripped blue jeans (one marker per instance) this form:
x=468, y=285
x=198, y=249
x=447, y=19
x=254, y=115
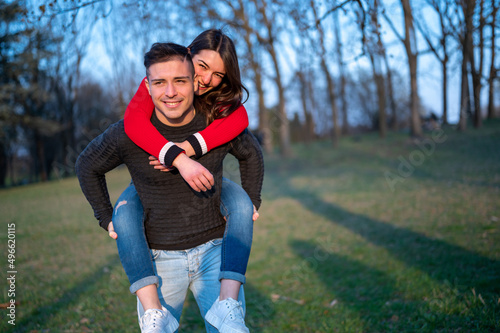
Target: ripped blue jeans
x=135, y=254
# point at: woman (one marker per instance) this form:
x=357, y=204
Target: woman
x=220, y=88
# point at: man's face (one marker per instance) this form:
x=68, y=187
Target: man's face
x=171, y=87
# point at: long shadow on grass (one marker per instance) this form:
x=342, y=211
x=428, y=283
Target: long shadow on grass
x=440, y=260
x=40, y=317
x=370, y=293
x=471, y=159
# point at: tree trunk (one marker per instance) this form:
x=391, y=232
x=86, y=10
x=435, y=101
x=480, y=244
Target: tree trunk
x=379, y=82
x=376, y=54
x=390, y=94
x=493, y=73
x=333, y=104
x=465, y=107
x=341, y=66
x=40, y=155
x=267, y=137
x=329, y=80
x=444, y=64
x=314, y=108
x=248, y=33
x=410, y=43
x=307, y=118
x=464, y=94
x=284, y=131
x=477, y=72
x=445, y=91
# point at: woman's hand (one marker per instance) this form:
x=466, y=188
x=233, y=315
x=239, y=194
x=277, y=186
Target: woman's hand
x=195, y=174
x=186, y=146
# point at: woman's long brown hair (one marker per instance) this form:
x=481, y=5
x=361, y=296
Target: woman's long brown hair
x=228, y=96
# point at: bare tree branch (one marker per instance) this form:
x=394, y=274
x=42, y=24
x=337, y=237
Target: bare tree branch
x=71, y=9
x=333, y=9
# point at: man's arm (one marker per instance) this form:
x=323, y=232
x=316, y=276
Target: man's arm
x=247, y=150
x=100, y=156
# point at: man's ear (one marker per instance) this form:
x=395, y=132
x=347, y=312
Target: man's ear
x=147, y=85
x=195, y=83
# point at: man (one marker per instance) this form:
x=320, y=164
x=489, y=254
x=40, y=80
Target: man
x=183, y=227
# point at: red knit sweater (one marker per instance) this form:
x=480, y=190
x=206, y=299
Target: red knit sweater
x=139, y=129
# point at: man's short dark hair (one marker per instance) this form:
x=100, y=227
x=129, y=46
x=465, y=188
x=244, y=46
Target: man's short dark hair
x=164, y=52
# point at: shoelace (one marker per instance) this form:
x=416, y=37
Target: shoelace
x=152, y=316
x=235, y=306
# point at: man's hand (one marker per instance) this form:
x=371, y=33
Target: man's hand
x=111, y=231
x=157, y=164
x=255, y=214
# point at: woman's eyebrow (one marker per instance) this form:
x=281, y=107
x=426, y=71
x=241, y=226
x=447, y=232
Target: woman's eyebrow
x=206, y=65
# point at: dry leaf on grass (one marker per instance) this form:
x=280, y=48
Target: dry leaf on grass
x=276, y=297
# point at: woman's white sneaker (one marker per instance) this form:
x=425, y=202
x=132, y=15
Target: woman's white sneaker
x=158, y=321
x=227, y=316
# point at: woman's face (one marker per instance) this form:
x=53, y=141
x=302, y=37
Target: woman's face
x=209, y=70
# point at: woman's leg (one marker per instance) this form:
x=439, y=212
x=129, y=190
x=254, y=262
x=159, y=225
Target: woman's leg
x=237, y=208
x=226, y=313
x=133, y=248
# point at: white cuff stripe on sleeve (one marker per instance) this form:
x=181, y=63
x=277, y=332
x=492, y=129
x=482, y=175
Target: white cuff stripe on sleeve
x=163, y=152
x=202, y=142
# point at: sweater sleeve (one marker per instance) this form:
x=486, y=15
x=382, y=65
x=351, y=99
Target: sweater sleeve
x=140, y=130
x=100, y=156
x=219, y=132
x=247, y=150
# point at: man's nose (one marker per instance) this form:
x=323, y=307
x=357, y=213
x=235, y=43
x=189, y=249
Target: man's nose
x=170, y=90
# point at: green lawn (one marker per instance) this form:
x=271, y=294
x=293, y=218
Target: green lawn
x=374, y=236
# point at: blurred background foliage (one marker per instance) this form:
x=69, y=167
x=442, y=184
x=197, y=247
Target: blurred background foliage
x=316, y=70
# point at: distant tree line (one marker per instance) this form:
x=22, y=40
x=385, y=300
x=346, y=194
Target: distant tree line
x=48, y=109
x=314, y=69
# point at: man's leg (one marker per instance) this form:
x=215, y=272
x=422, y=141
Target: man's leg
x=172, y=270
x=205, y=267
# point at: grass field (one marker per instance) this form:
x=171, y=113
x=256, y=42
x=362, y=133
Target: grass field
x=374, y=236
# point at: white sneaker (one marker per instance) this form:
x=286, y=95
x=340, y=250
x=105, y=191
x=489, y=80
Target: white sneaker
x=227, y=316
x=158, y=321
